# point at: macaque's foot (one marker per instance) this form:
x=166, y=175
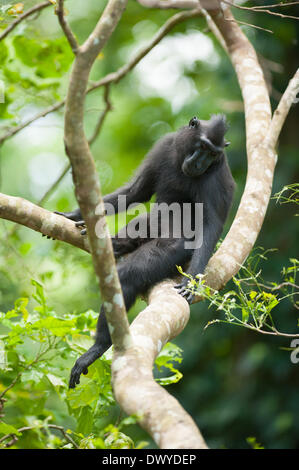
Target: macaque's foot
x=81, y=223
x=185, y=292
x=82, y=364
x=75, y=217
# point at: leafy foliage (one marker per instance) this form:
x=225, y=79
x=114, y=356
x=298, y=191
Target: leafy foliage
x=36, y=351
x=249, y=305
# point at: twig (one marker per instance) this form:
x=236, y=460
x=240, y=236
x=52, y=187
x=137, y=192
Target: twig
x=273, y=333
x=22, y=17
x=275, y=5
x=213, y=28
x=65, y=27
x=251, y=25
x=14, y=130
x=14, y=381
x=102, y=117
x=255, y=328
x=272, y=288
x=42, y=426
x=261, y=9
x=54, y=185
x=168, y=4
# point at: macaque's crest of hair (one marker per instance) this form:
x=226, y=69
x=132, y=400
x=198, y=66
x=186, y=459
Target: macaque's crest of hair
x=217, y=128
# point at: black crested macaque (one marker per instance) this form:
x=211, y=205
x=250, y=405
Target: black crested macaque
x=187, y=166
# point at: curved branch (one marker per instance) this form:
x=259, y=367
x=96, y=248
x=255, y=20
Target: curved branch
x=134, y=386
x=282, y=110
x=261, y=161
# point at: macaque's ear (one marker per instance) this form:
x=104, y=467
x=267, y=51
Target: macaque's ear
x=226, y=143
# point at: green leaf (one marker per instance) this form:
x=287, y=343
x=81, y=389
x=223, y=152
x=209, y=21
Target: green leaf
x=56, y=326
x=245, y=315
x=252, y=294
x=20, y=307
x=32, y=375
x=25, y=248
x=85, y=420
x=8, y=429
x=169, y=353
x=80, y=343
x=50, y=58
x=172, y=379
x=39, y=292
x=55, y=381
x=83, y=395
x=3, y=53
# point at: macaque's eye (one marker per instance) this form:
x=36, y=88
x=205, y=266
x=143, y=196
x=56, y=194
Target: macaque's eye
x=214, y=154
x=193, y=122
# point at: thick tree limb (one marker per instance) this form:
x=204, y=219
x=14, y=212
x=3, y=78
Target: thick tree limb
x=55, y=226
x=261, y=161
x=135, y=389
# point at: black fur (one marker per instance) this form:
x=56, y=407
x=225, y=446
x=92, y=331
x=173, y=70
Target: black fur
x=186, y=166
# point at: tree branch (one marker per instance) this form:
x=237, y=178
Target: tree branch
x=169, y=4
x=52, y=225
x=102, y=116
x=260, y=9
x=282, y=110
x=65, y=27
x=261, y=161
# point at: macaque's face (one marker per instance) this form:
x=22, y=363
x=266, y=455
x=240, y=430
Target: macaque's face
x=204, y=144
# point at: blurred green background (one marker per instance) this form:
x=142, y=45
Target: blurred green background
x=236, y=383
